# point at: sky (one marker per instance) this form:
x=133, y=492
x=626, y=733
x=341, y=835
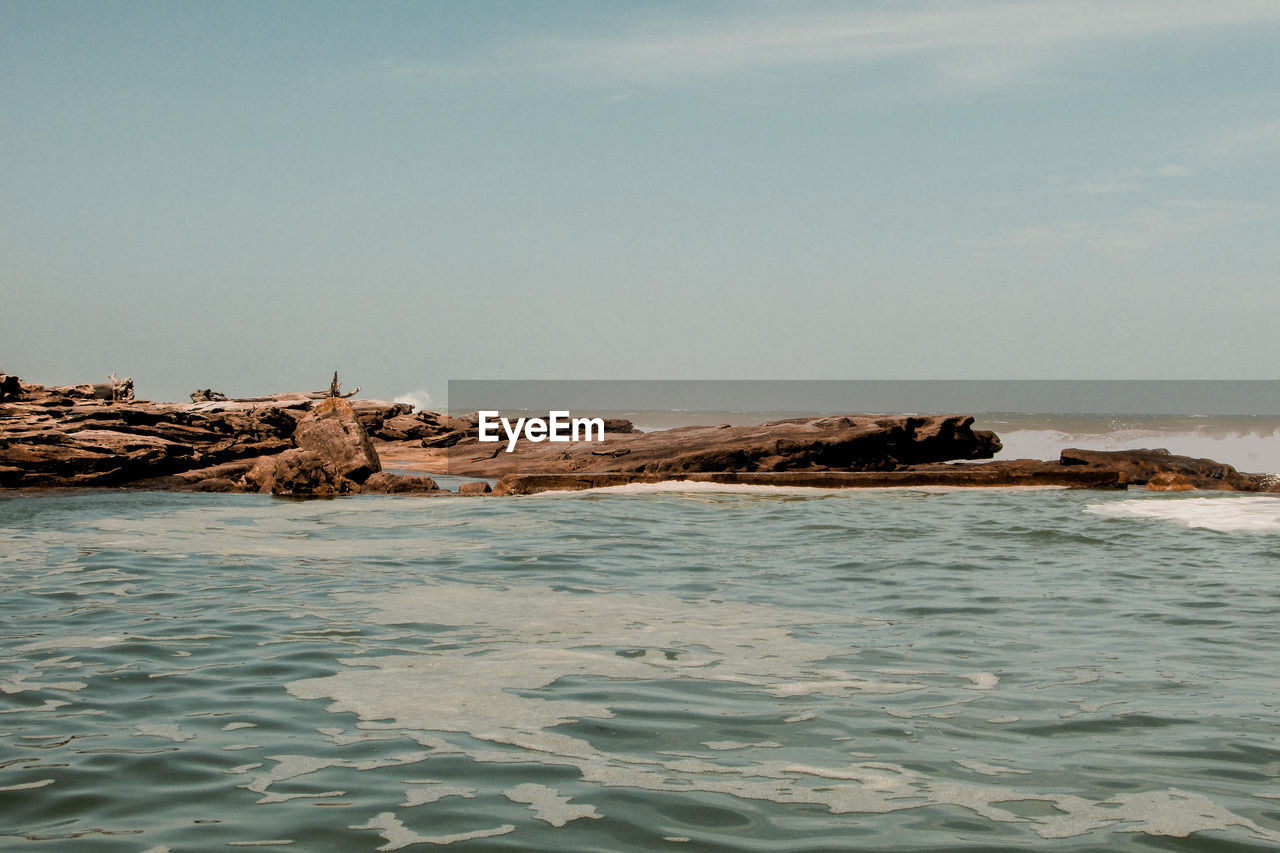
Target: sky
x=248, y=196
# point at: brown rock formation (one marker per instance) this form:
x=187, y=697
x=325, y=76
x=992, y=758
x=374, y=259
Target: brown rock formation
x=49, y=438
x=332, y=432
x=64, y=437
x=849, y=443
x=1167, y=471
x=384, y=483
x=317, y=444
x=299, y=473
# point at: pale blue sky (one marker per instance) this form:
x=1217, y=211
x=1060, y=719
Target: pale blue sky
x=250, y=195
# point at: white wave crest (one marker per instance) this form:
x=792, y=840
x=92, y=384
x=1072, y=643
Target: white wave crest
x=1228, y=514
x=1257, y=452
x=420, y=400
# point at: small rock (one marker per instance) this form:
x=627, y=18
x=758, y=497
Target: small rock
x=477, y=487
x=214, y=484
x=383, y=483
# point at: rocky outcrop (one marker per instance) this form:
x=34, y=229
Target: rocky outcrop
x=845, y=443
x=299, y=473
x=49, y=437
x=317, y=444
x=334, y=456
x=332, y=432
x=65, y=437
x=1160, y=470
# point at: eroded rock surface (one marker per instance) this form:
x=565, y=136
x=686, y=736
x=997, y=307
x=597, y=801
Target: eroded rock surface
x=49, y=437
x=1161, y=470
x=65, y=437
x=385, y=483
x=844, y=443
x=332, y=432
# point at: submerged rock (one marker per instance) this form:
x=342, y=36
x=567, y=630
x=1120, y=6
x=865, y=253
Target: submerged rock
x=384, y=483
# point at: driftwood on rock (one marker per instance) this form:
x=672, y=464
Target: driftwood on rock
x=118, y=390
x=335, y=386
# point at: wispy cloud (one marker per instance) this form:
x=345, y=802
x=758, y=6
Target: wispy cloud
x=1131, y=180
x=1146, y=229
x=973, y=41
x=1250, y=140
x=1110, y=185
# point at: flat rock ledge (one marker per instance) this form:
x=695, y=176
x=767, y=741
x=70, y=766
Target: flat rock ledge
x=1004, y=474
x=1157, y=470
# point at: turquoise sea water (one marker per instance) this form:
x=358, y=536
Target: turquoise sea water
x=698, y=670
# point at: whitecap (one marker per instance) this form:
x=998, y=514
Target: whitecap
x=1225, y=513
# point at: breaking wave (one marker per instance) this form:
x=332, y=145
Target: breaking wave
x=1225, y=513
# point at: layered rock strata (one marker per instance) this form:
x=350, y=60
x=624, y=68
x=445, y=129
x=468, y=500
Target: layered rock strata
x=296, y=444
x=843, y=443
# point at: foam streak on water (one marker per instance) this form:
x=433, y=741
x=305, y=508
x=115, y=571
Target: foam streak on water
x=1227, y=513
x=894, y=669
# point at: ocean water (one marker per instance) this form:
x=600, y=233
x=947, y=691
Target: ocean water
x=641, y=669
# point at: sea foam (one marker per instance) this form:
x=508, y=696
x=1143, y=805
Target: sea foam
x=1225, y=513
